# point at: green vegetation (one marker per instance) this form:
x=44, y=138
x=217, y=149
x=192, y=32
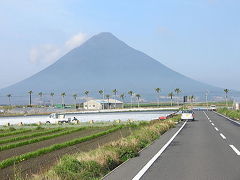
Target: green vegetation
x=26, y=156
x=14, y=132
x=22, y=143
x=234, y=114
x=96, y=163
x=30, y=135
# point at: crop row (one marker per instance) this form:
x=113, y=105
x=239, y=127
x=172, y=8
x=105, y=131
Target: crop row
x=18, y=144
x=15, y=132
x=30, y=135
x=26, y=156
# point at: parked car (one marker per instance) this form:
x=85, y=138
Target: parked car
x=187, y=115
x=213, y=108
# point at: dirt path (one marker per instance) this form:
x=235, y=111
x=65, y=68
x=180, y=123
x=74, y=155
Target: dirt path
x=44, y=162
x=32, y=147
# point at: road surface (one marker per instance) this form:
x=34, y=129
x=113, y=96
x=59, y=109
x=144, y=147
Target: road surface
x=205, y=149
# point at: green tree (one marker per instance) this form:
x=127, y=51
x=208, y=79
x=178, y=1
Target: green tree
x=101, y=92
x=158, y=90
x=177, y=91
x=138, y=98
x=41, y=97
x=52, y=94
x=9, y=99
x=75, y=99
x=63, y=96
x=171, y=96
x=108, y=98
x=122, y=96
x=191, y=98
x=226, y=96
x=86, y=94
x=30, y=97
x=115, y=97
x=131, y=96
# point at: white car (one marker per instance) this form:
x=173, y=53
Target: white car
x=213, y=108
x=187, y=115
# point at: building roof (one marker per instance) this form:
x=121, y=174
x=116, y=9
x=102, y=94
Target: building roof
x=105, y=101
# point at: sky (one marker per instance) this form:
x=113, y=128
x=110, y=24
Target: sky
x=198, y=38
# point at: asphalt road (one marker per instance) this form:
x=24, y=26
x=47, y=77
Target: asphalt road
x=205, y=149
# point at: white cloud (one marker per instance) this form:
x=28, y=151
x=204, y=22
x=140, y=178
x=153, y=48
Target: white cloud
x=48, y=53
x=76, y=41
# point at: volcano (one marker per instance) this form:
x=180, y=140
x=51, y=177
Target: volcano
x=105, y=62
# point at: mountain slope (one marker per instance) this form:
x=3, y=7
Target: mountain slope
x=106, y=62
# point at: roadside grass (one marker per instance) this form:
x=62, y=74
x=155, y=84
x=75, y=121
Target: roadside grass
x=97, y=163
x=30, y=141
x=26, y=156
x=234, y=114
x=34, y=134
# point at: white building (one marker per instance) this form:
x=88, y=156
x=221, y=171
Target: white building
x=102, y=104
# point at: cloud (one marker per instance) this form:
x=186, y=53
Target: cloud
x=76, y=41
x=49, y=53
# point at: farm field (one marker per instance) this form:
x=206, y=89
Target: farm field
x=27, y=151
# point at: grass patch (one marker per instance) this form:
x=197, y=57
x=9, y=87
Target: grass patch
x=26, y=156
x=234, y=114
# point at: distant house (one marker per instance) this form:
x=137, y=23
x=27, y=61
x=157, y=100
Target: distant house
x=97, y=104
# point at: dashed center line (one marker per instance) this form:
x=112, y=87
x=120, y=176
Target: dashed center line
x=235, y=149
x=213, y=124
x=224, y=137
x=210, y=121
x=216, y=129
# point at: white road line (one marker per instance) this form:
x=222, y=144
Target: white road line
x=235, y=150
x=149, y=164
x=206, y=115
x=210, y=121
x=213, y=124
x=216, y=129
x=224, y=137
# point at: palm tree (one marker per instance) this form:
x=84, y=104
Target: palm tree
x=9, y=99
x=41, y=95
x=86, y=93
x=226, y=96
x=101, y=92
x=122, y=96
x=108, y=98
x=30, y=98
x=52, y=94
x=75, y=98
x=138, y=98
x=177, y=91
x=171, y=96
x=158, y=90
x=63, y=95
x=115, y=95
x=131, y=95
x=191, y=98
